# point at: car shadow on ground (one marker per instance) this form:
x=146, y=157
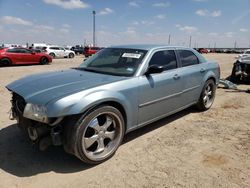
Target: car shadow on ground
x=18, y=157
x=163, y=122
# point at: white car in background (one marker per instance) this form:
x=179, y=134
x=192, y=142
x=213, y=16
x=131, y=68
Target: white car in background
x=57, y=51
x=244, y=56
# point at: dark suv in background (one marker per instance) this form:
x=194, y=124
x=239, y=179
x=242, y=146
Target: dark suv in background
x=78, y=50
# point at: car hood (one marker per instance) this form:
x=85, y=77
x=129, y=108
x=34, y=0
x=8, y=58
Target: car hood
x=42, y=88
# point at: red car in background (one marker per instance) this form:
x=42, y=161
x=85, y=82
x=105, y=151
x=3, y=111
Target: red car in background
x=203, y=50
x=88, y=51
x=18, y=56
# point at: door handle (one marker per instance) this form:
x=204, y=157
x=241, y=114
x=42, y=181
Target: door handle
x=202, y=70
x=176, y=77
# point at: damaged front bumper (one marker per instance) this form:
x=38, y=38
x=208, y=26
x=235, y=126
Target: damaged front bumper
x=36, y=125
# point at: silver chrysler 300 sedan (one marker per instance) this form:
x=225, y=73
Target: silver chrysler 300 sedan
x=88, y=109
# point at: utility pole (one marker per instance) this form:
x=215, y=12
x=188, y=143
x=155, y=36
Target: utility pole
x=93, y=27
x=85, y=42
x=235, y=44
x=190, y=41
x=169, y=39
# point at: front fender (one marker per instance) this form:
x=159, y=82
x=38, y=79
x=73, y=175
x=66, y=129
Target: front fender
x=210, y=74
x=79, y=103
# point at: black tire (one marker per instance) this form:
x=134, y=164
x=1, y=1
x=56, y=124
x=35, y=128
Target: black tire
x=52, y=55
x=71, y=55
x=44, y=61
x=5, y=62
x=234, y=78
x=207, y=96
x=96, y=135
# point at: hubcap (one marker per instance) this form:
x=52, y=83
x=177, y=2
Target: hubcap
x=44, y=60
x=208, y=96
x=102, y=136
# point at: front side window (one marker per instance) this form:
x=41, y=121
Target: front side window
x=188, y=58
x=165, y=58
x=26, y=51
x=115, y=61
x=54, y=48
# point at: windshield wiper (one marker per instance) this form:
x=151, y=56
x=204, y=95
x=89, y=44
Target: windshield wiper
x=85, y=69
x=98, y=71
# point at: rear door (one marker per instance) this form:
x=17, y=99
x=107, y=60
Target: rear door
x=63, y=52
x=192, y=72
x=159, y=93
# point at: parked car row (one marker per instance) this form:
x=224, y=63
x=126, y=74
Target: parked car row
x=219, y=50
x=40, y=55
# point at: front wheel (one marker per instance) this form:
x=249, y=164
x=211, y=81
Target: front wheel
x=207, y=96
x=99, y=134
x=44, y=61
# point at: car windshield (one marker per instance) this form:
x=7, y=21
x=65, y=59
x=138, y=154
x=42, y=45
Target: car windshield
x=115, y=61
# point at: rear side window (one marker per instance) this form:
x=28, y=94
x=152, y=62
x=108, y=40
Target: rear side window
x=188, y=58
x=165, y=58
x=12, y=50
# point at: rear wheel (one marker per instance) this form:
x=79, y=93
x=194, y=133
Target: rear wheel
x=44, y=61
x=98, y=134
x=235, y=78
x=5, y=62
x=207, y=96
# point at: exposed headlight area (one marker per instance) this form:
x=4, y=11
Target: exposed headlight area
x=36, y=112
x=33, y=120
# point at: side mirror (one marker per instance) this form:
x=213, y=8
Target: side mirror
x=33, y=53
x=154, y=69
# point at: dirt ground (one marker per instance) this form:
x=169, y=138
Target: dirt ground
x=189, y=149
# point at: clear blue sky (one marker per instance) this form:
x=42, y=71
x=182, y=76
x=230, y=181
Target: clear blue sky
x=124, y=22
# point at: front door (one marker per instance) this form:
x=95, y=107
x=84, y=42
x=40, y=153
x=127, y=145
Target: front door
x=159, y=94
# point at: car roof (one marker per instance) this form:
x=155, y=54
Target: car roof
x=147, y=46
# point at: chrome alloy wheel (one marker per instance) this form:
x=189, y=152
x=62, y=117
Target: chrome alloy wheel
x=102, y=136
x=208, y=96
